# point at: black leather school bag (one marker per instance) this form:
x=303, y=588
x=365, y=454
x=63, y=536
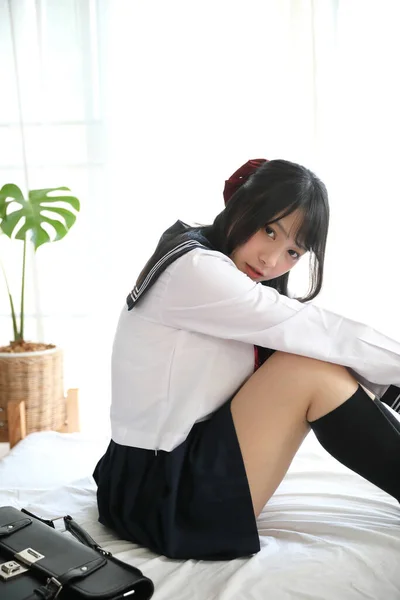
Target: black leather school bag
x=37, y=562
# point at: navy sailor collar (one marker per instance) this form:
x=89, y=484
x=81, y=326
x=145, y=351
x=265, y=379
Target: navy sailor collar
x=176, y=241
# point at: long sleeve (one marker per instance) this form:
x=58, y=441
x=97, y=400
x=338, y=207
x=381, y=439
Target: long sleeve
x=205, y=292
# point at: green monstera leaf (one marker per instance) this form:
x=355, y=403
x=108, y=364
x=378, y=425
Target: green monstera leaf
x=38, y=209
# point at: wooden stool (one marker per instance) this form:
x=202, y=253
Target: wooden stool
x=17, y=418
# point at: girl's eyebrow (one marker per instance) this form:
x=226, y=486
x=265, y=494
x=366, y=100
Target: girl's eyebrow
x=281, y=227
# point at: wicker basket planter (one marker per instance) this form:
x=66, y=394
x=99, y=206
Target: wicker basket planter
x=36, y=378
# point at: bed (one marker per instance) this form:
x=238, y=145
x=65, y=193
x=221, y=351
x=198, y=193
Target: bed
x=327, y=534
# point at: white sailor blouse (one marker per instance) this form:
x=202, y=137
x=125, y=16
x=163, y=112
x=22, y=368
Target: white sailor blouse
x=185, y=342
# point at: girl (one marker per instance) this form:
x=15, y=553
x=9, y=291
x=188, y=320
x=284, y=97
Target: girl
x=200, y=443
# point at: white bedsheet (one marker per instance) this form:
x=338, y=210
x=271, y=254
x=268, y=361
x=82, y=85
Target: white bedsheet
x=327, y=534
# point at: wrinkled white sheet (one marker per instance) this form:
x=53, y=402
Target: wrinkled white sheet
x=327, y=534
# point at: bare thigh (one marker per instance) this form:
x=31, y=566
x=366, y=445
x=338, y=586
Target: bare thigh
x=272, y=410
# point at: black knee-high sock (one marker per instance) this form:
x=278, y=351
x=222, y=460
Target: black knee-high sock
x=361, y=435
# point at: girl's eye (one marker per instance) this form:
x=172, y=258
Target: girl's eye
x=295, y=255
x=270, y=232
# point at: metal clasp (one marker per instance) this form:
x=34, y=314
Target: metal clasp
x=29, y=556
x=11, y=569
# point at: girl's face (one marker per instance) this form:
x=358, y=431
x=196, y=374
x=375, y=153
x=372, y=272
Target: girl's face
x=272, y=251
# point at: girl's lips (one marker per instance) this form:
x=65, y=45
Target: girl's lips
x=252, y=273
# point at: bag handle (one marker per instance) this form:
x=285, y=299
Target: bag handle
x=76, y=530
x=82, y=536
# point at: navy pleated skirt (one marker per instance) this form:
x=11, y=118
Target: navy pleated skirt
x=193, y=502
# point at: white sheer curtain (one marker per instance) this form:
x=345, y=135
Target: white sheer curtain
x=143, y=108
x=52, y=64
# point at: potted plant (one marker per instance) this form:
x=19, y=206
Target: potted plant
x=31, y=371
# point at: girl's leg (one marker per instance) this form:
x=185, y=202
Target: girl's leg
x=276, y=407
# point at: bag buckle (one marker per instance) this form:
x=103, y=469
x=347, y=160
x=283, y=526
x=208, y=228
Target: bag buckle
x=54, y=587
x=11, y=569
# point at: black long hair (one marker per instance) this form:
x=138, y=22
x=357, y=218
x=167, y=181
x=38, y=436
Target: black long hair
x=276, y=189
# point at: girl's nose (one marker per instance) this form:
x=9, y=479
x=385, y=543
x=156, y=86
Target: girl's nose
x=270, y=260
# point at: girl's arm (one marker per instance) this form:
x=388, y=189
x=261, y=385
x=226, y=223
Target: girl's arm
x=204, y=292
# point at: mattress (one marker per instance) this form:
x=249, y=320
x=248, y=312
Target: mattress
x=326, y=534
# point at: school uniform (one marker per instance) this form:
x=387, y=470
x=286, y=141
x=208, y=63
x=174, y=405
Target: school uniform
x=173, y=477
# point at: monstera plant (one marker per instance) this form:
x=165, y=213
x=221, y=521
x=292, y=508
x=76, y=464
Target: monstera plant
x=22, y=218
